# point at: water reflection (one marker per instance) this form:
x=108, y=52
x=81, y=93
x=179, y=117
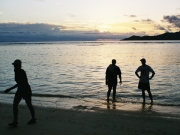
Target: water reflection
x=111, y=105
x=146, y=107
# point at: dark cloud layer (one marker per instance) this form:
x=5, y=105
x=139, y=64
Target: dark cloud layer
x=10, y=32
x=175, y=20
x=38, y=27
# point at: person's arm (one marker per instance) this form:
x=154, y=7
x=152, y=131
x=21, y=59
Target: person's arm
x=153, y=73
x=120, y=78
x=7, y=90
x=137, y=74
x=119, y=74
x=106, y=79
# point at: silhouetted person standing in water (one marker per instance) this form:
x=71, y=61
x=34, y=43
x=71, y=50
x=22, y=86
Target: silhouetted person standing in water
x=23, y=91
x=144, y=78
x=112, y=72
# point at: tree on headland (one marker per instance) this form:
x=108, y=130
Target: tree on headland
x=165, y=36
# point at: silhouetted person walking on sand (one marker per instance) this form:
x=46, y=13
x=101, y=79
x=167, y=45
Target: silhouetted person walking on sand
x=144, y=78
x=23, y=91
x=112, y=72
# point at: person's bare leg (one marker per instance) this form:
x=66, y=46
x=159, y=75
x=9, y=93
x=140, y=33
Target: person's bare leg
x=109, y=91
x=17, y=99
x=31, y=109
x=114, y=93
x=143, y=95
x=150, y=95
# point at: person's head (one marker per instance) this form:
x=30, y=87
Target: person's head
x=17, y=63
x=113, y=62
x=143, y=61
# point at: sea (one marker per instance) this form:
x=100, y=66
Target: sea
x=71, y=75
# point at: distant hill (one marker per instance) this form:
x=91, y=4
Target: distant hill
x=165, y=36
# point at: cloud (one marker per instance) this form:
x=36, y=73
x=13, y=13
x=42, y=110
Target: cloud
x=142, y=33
x=174, y=20
x=170, y=27
x=131, y=16
x=147, y=21
x=159, y=27
x=0, y=13
x=133, y=28
x=29, y=27
x=71, y=15
x=26, y=32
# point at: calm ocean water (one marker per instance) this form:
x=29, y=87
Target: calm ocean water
x=76, y=70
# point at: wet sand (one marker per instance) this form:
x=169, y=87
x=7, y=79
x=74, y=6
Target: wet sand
x=93, y=121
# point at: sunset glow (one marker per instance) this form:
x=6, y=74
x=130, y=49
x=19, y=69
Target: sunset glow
x=130, y=17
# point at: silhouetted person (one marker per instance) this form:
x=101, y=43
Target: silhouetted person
x=144, y=78
x=23, y=91
x=112, y=72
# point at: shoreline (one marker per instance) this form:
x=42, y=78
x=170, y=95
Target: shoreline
x=88, y=104
x=80, y=120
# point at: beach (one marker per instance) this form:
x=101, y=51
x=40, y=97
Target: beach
x=92, y=121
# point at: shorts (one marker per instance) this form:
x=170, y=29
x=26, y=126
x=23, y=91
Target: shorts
x=24, y=96
x=112, y=82
x=144, y=86
x=18, y=97
x=24, y=92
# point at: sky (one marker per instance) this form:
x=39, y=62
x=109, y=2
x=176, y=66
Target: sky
x=88, y=19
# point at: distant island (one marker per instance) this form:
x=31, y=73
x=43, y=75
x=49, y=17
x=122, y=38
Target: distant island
x=165, y=36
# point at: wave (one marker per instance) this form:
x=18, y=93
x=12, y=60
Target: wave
x=24, y=43
x=92, y=98
x=90, y=43
x=43, y=95
x=50, y=95
x=158, y=104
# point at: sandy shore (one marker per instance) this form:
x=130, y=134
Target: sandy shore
x=52, y=121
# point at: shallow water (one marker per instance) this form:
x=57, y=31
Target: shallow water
x=76, y=70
